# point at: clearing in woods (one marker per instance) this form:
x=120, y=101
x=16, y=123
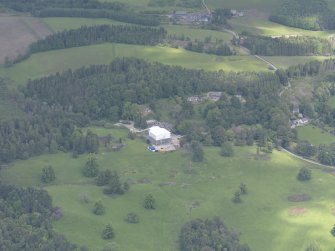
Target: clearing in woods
x=17, y=33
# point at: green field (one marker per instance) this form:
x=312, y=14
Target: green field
x=41, y=64
x=263, y=218
x=285, y=62
x=331, y=101
x=262, y=26
x=315, y=135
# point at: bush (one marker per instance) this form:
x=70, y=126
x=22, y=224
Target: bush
x=91, y=167
x=108, y=232
x=99, y=208
x=333, y=231
x=304, y=174
x=227, y=149
x=57, y=213
x=149, y=202
x=237, y=197
x=132, y=218
x=48, y=174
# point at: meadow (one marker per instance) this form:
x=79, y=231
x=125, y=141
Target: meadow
x=285, y=62
x=204, y=190
x=315, y=135
x=331, y=101
x=41, y=64
x=262, y=26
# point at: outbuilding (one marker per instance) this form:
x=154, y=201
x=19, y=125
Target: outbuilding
x=159, y=135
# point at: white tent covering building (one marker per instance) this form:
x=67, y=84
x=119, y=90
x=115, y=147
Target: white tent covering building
x=159, y=135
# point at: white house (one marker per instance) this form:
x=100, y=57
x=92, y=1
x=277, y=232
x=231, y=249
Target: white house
x=159, y=135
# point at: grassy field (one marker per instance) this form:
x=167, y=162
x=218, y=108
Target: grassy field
x=262, y=26
x=315, y=135
x=285, y=62
x=331, y=101
x=45, y=63
x=263, y=218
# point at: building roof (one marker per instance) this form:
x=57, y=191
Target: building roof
x=159, y=133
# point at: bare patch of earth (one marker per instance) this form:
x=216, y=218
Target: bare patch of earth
x=299, y=197
x=298, y=211
x=17, y=33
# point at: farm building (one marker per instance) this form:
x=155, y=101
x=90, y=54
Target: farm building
x=159, y=136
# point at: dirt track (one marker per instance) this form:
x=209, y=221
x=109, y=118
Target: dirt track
x=17, y=33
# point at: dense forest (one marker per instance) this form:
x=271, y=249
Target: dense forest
x=282, y=46
x=220, y=49
x=311, y=68
x=305, y=14
x=26, y=215
x=209, y=234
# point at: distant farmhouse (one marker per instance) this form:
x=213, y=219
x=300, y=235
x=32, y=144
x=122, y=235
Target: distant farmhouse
x=159, y=136
x=184, y=17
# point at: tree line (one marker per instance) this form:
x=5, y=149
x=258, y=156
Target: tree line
x=305, y=14
x=311, y=68
x=33, y=5
x=26, y=215
x=291, y=46
x=126, y=34
x=122, y=15
x=220, y=49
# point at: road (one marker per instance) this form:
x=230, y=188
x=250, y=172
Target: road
x=266, y=61
x=205, y=5
x=306, y=160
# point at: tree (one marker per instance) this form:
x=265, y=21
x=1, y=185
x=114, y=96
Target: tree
x=332, y=231
x=243, y=188
x=48, y=174
x=227, y=149
x=91, y=167
x=237, y=197
x=115, y=186
x=98, y=208
x=149, y=202
x=132, y=218
x=104, y=177
x=108, y=232
x=304, y=174
x=197, y=151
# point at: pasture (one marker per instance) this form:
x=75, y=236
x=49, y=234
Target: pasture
x=259, y=24
x=286, y=61
x=315, y=135
x=184, y=191
x=331, y=101
x=45, y=63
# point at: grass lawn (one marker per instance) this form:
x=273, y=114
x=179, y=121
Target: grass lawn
x=45, y=63
x=315, y=135
x=263, y=218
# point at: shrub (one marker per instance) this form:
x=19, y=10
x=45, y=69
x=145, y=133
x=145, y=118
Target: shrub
x=149, y=202
x=108, y=232
x=99, y=208
x=132, y=218
x=227, y=149
x=48, y=174
x=304, y=174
